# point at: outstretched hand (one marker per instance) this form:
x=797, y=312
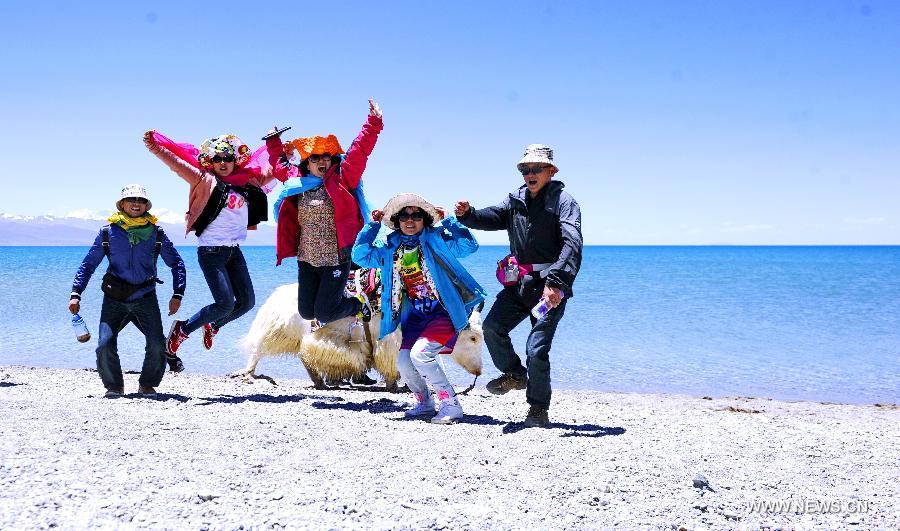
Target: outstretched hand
x=441, y=212
x=462, y=207
x=148, y=138
x=377, y=215
x=374, y=109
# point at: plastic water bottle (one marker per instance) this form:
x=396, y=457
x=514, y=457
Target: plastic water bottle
x=82, y=334
x=543, y=306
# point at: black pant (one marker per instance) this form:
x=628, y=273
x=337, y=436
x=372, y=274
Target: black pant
x=507, y=312
x=114, y=316
x=321, y=292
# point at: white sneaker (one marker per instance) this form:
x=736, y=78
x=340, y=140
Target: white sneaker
x=425, y=406
x=449, y=412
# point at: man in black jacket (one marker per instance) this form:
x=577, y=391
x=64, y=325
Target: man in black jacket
x=544, y=227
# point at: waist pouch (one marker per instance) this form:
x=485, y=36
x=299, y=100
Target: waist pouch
x=118, y=289
x=509, y=270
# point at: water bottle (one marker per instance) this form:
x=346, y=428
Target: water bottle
x=82, y=334
x=543, y=306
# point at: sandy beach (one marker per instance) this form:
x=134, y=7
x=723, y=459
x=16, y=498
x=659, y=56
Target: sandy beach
x=217, y=453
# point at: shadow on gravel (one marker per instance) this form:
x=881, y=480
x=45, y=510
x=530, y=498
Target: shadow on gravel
x=9, y=384
x=382, y=405
x=267, y=399
x=479, y=420
x=160, y=397
x=577, y=430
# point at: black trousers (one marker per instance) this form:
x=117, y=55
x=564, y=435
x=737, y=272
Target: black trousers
x=321, y=293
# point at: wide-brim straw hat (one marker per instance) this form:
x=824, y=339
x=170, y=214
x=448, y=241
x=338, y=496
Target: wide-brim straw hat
x=401, y=201
x=316, y=145
x=133, y=190
x=537, y=153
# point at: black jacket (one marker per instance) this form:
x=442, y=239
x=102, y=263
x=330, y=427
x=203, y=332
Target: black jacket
x=546, y=229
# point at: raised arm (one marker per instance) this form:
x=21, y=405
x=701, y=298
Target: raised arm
x=174, y=155
x=367, y=251
x=458, y=237
x=354, y=163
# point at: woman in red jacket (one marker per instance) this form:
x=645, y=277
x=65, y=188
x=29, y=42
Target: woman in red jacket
x=319, y=215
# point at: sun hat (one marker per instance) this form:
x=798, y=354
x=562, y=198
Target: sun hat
x=228, y=144
x=538, y=153
x=133, y=190
x=316, y=145
x=401, y=201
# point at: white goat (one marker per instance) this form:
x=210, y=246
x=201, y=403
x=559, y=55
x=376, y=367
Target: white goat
x=333, y=352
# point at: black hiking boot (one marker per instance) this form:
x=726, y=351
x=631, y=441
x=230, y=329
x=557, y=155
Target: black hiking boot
x=537, y=417
x=507, y=382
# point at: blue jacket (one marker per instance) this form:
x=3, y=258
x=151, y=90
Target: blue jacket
x=441, y=248
x=131, y=263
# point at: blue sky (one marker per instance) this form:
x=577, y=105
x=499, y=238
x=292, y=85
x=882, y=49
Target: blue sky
x=672, y=122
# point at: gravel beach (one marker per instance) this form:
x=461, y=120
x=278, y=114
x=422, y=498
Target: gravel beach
x=218, y=453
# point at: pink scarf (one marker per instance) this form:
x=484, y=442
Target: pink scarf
x=253, y=168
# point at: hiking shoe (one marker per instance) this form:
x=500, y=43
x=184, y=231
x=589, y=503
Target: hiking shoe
x=209, y=333
x=365, y=312
x=449, y=412
x=424, y=406
x=175, y=364
x=507, y=382
x=176, y=337
x=537, y=417
x=146, y=391
x=114, y=392
x=363, y=379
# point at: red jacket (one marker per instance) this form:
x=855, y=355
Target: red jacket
x=338, y=182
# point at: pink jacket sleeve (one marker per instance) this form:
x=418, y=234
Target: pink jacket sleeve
x=358, y=155
x=174, y=155
x=265, y=163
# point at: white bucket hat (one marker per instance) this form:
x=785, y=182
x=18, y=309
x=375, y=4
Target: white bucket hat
x=134, y=190
x=401, y=201
x=537, y=153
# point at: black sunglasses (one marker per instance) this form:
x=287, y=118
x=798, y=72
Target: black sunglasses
x=406, y=216
x=316, y=158
x=140, y=200
x=226, y=158
x=525, y=170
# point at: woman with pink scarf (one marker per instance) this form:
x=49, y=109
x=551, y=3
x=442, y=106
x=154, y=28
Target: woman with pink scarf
x=226, y=197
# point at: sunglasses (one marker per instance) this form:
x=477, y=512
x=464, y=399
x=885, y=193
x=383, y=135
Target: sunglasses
x=406, y=216
x=139, y=200
x=225, y=158
x=316, y=158
x=532, y=171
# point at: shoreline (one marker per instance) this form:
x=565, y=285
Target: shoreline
x=214, y=452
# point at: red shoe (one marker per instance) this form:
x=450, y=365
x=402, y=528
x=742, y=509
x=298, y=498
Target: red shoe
x=176, y=337
x=208, y=334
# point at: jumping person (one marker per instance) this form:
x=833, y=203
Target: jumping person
x=225, y=199
x=319, y=215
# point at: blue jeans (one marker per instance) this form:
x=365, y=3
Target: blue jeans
x=320, y=294
x=507, y=312
x=229, y=282
x=114, y=316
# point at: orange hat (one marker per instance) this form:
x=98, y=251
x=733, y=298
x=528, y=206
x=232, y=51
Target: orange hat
x=316, y=145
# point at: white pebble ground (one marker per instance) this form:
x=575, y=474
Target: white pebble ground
x=216, y=453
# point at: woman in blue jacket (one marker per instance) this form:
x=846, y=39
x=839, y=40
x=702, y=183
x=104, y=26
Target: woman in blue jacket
x=426, y=291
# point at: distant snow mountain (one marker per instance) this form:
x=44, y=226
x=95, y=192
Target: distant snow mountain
x=79, y=228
